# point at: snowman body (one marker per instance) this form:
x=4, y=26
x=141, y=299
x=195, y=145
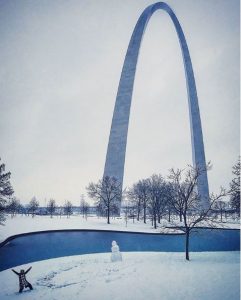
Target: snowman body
x=115, y=255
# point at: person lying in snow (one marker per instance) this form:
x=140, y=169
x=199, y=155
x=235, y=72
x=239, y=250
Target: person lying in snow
x=23, y=283
x=115, y=255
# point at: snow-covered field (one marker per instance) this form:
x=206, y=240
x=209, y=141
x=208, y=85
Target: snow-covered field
x=22, y=224
x=140, y=276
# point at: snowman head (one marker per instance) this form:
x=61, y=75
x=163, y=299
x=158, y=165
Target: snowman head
x=114, y=243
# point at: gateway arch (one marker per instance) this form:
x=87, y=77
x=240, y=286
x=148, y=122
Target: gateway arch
x=115, y=157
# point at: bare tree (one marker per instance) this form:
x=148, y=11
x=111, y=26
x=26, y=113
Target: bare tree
x=21, y=209
x=33, y=206
x=68, y=208
x=138, y=195
x=143, y=191
x=220, y=206
x=192, y=211
x=135, y=199
x=157, y=201
x=170, y=195
x=162, y=203
x=84, y=207
x=51, y=207
x=126, y=210
x=130, y=207
x=60, y=211
x=99, y=209
x=107, y=194
x=115, y=210
x=175, y=201
x=6, y=191
x=13, y=206
x=234, y=191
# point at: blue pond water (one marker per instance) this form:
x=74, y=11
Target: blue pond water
x=44, y=245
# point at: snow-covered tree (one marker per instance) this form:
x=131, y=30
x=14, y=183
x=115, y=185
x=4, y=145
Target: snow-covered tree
x=6, y=191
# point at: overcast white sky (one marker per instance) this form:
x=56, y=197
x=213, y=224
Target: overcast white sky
x=60, y=64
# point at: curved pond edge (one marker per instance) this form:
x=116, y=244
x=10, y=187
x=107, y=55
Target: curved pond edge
x=12, y=237
x=35, y=246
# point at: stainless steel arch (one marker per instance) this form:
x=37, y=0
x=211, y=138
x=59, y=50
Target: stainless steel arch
x=115, y=158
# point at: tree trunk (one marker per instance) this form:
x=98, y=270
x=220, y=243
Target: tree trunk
x=154, y=217
x=159, y=218
x=138, y=213
x=221, y=215
x=144, y=214
x=180, y=216
x=169, y=215
x=108, y=215
x=187, y=244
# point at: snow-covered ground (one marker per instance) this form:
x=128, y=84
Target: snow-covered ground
x=22, y=224
x=209, y=275
x=140, y=276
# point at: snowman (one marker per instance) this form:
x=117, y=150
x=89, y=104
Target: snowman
x=115, y=255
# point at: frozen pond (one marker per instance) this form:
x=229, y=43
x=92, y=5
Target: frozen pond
x=37, y=246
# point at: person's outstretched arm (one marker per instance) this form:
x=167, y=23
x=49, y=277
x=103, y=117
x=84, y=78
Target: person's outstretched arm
x=15, y=272
x=28, y=270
